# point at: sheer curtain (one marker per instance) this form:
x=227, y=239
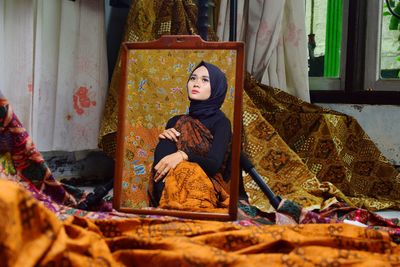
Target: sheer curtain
x=53, y=69
x=276, y=42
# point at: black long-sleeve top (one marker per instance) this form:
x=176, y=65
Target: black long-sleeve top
x=220, y=129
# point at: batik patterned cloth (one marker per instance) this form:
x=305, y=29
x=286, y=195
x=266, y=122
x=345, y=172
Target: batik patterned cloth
x=32, y=229
x=187, y=187
x=332, y=147
x=35, y=237
x=21, y=161
x=289, y=212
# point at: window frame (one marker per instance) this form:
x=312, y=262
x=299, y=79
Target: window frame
x=360, y=40
x=373, y=45
x=328, y=84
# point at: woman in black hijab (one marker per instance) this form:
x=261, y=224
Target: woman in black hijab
x=203, y=136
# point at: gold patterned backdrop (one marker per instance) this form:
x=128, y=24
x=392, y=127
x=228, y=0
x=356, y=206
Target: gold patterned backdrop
x=156, y=91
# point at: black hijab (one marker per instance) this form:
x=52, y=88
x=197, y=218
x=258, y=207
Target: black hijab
x=208, y=111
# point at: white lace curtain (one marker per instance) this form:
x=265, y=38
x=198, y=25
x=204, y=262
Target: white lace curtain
x=53, y=69
x=276, y=41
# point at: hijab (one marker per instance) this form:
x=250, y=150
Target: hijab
x=208, y=111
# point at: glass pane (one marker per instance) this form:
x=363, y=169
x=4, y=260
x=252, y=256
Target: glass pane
x=324, y=30
x=390, y=44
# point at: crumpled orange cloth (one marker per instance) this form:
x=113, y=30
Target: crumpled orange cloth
x=187, y=187
x=31, y=235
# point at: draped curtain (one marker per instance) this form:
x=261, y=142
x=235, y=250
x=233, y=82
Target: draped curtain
x=53, y=69
x=276, y=42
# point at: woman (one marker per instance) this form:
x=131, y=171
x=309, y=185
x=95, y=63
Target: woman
x=192, y=158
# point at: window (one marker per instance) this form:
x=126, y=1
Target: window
x=326, y=29
x=356, y=56
x=383, y=64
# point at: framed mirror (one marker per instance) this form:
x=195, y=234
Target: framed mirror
x=155, y=78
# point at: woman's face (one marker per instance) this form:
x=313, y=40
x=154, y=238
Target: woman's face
x=199, y=87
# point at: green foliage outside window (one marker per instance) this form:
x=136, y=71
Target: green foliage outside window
x=394, y=21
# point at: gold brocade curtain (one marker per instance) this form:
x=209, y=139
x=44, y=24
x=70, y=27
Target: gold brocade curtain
x=304, y=153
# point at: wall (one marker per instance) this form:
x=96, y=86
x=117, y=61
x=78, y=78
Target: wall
x=381, y=123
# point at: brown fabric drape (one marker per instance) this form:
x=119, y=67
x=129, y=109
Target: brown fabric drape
x=332, y=146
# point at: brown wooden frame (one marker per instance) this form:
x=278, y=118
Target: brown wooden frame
x=184, y=42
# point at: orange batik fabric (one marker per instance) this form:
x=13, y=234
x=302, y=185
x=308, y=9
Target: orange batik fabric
x=32, y=236
x=187, y=187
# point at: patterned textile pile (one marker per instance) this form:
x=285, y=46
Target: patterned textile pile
x=22, y=163
x=35, y=237
x=300, y=146
x=20, y=159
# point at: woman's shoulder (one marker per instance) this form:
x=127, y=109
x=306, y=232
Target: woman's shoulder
x=222, y=122
x=224, y=119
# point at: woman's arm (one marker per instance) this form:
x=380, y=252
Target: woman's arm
x=212, y=162
x=165, y=146
x=166, y=155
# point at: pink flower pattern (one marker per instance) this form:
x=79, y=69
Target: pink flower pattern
x=82, y=100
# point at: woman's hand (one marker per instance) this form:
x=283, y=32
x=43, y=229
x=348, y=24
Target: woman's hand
x=167, y=163
x=170, y=134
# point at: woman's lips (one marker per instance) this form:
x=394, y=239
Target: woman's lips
x=195, y=92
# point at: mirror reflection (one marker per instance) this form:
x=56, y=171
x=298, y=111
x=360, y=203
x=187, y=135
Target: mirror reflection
x=175, y=130
x=191, y=168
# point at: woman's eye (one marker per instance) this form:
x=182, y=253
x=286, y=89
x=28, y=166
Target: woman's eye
x=192, y=78
x=205, y=80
